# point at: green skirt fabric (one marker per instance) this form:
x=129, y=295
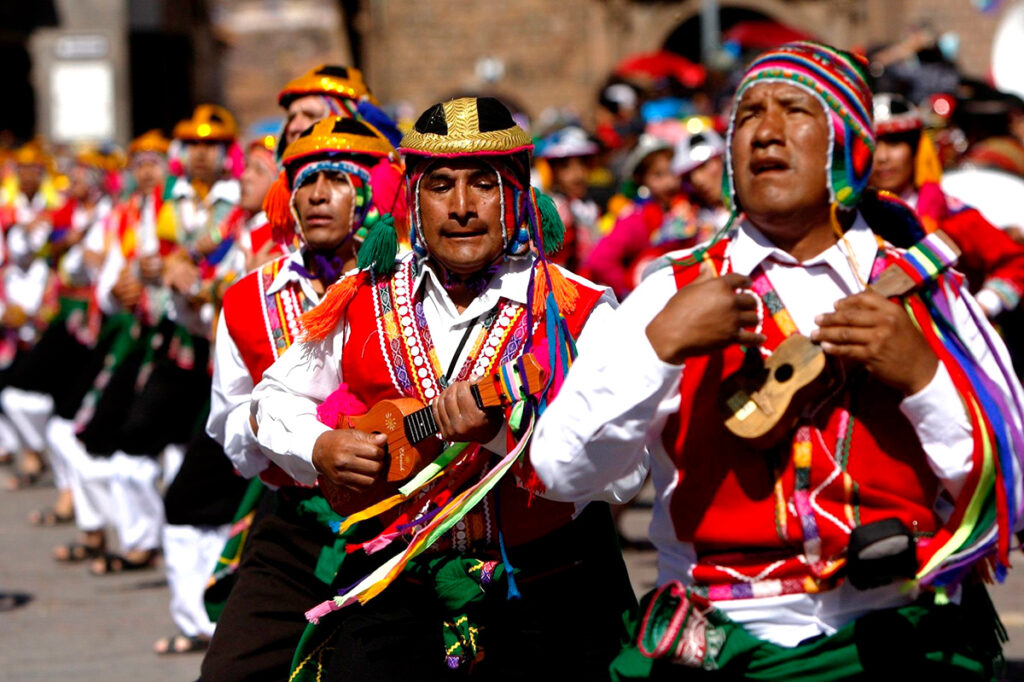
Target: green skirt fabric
x=679, y=635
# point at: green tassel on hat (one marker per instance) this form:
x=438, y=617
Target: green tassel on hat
x=551, y=226
x=380, y=248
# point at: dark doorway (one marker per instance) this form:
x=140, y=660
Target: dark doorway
x=18, y=115
x=161, y=68
x=685, y=40
x=17, y=21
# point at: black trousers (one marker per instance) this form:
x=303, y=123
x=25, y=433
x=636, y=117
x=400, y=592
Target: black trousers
x=263, y=620
x=568, y=623
x=206, y=490
x=60, y=366
x=168, y=408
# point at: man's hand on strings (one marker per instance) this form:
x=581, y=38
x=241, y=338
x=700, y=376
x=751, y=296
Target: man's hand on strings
x=350, y=459
x=705, y=316
x=460, y=420
x=877, y=333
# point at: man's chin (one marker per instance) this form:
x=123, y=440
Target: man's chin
x=324, y=243
x=463, y=266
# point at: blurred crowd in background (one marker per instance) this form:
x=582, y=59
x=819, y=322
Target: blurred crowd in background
x=108, y=254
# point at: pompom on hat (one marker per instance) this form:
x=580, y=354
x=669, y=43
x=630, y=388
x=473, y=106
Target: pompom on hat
x=837, y=80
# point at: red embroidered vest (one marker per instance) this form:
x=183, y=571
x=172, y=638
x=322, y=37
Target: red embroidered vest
x=263, y=326
x=754, y=532
x=385, y=354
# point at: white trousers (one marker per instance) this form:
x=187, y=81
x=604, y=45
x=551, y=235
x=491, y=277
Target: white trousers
x=29, y=412
x=190, y=554
x=10, y=441
x=137, y=505
x=173, y=456
x=88, y=476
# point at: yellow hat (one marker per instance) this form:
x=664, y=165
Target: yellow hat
x=210, y=123
x=340, y=135
x=32, y=154
x=327, y=79
x=150, y=141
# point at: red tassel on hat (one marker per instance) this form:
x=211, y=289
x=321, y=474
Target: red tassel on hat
x=278, y=207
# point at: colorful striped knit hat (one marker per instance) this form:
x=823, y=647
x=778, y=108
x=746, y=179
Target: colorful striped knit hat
x=837, y=80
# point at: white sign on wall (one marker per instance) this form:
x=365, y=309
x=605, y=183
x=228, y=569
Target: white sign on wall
x=82, y=101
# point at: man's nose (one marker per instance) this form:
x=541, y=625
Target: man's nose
x=461, y=205
x=770, y=127
x=296, y=126
x=321, y=190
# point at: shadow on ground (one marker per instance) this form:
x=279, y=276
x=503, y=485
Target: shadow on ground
x=12, y=600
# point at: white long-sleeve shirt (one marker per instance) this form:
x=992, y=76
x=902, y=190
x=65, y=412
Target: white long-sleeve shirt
x=25, y=275
x=614, y=405
x=228, y=423
x=285, y=401
x=74, y=266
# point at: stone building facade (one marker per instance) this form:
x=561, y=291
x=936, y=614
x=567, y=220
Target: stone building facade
x=542, y=53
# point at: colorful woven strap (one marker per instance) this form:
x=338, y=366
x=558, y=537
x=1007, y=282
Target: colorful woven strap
x=927, y=259
x=375, y=583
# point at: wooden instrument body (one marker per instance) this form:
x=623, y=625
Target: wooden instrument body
x=404, y=457
x=412, y=435
x=762, y=403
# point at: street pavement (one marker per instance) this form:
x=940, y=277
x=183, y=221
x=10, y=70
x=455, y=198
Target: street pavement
x=75, y=626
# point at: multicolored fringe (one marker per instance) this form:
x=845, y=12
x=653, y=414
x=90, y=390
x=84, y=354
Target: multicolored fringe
x=219, y=584
x=375, y=583
x=924, y=260
x=990, y=504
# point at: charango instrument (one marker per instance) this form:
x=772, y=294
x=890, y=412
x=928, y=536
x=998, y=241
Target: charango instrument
x=412, y=433
x=762, y=401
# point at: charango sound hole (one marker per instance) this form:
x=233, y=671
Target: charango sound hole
x=783, y=373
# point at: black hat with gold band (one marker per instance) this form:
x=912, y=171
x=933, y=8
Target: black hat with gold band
x=468, y=126
x=209, y=123
x=481, y=127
